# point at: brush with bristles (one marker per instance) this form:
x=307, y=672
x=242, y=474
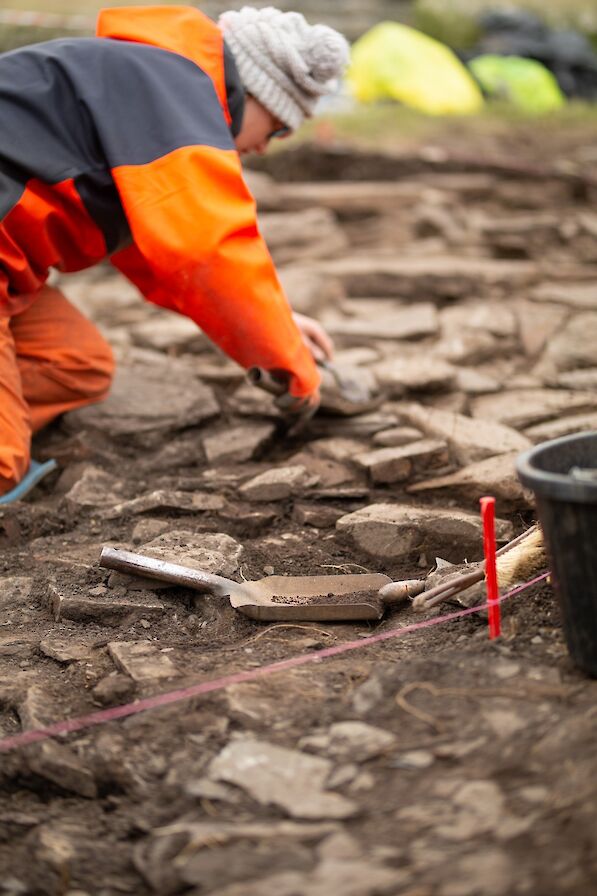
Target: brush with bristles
x=516, y=562
x=523, y=561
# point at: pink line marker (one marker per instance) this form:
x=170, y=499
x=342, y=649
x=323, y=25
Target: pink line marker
x=68, y=726
x=488, y=519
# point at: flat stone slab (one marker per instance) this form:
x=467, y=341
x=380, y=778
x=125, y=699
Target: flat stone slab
x=35, y=708
x=289, y=779
x=360, y=426
x=460, y=347
x=578, y=380
x=165, y=331
x=103, y=612
x=563, y=426
x=350, y=196
x=469, y=440
x=162, y=499
x=95, y=488
x=320, y=516
x=238, y=444
x=520, y=408
x=328, y=473
x=338, y=449
x=405, y=323
x=475, y=382
x=350, y=741
x=142, y=660
x=573, y=346
x=486, y=317
x=386, y=465
x=392, y=531
x=309, y=291
x=278, y=484
x=148, y=397
x=438, y=275
x=423, y=374
x=306, y=234
x=397, y=436
x=537, y=324
x=59, y=764
x=348, y=876
x=64, y=650
x=214, y=552
x=580, y=296
x=494, y=476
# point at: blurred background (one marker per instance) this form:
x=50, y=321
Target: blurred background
x=415, y=63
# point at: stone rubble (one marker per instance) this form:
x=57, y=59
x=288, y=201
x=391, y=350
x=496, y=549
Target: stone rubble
x=421, y=765
x=386, y=465
x=289, y=779
x=393, y=531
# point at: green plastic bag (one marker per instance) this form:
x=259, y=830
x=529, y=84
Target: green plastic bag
x=393, y=61
x=526, y=83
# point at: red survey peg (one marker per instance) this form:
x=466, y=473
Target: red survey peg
x=488, y=520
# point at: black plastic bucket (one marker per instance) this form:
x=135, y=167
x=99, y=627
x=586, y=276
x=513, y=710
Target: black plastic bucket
x=567, y=510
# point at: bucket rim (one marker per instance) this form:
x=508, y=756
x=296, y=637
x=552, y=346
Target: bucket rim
x=556, y=485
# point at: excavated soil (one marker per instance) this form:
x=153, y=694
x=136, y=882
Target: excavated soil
x=434, y=764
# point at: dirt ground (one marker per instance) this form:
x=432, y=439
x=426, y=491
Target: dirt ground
x=457, y=277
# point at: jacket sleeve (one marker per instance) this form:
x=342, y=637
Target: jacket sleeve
x=197, y=250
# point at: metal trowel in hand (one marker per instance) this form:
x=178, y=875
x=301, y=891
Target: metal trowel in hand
x=343, y=391
x=339, y=598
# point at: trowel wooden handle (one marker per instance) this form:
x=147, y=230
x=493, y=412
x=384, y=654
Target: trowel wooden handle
x=396, y=592
x=149, y=567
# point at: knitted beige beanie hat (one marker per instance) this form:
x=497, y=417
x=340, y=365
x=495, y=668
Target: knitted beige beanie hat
x=284, y=62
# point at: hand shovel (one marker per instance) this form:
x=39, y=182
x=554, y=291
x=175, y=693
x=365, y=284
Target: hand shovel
x=275, y=598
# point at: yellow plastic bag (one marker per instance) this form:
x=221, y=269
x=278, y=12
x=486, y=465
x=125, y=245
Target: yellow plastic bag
x=393, y=61
x=525, y=83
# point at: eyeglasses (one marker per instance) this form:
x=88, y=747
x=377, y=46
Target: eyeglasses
x=279, y=132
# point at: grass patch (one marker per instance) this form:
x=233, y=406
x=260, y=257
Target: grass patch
x=387, y=125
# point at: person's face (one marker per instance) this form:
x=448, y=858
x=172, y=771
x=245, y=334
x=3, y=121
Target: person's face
x=258, y=128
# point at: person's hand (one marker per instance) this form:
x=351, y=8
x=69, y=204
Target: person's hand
x=297, y=411
x=315, y=337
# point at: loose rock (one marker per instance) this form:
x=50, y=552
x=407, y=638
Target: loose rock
x=142, y=660
x=144, y=400
x=60, y=765
x=493, y=476
x=356, y=741
x=391, y=531
x=238, y=444
x=469, y=440
x=291, y=780
x=278, y=484
x=399, y=464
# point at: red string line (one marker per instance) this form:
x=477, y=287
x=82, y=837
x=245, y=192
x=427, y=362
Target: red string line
x=67, y=726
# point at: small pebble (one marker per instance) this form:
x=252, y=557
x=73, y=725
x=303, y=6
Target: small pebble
x=98, y=591
x=413, y=759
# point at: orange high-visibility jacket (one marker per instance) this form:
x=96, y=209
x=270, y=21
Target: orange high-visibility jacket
x=122, y=146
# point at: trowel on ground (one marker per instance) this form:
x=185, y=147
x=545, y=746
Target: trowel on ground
x=339, y=598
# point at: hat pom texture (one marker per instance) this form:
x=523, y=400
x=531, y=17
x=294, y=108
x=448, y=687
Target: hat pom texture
x=284, y=62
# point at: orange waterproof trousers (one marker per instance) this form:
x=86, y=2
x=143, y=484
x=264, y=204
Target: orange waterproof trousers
x=52, y=359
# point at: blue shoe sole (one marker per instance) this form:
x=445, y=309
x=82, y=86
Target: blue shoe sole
x=32, y=477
